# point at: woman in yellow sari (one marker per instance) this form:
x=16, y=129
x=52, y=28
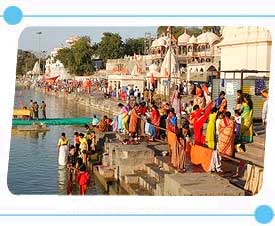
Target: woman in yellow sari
x=211, y=129
x=124, y=117
x=247, y=120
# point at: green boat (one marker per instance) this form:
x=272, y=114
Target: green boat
x=52, y=121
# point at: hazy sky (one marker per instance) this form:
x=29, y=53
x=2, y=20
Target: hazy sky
x=52, y=37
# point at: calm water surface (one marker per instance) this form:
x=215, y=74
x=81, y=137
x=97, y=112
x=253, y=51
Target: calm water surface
x=33, y=166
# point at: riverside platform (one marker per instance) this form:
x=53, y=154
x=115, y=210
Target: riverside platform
x=52, y=121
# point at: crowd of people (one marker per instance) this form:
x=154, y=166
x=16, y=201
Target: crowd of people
x=76, y=155
x=199, y=122
x=34, y=110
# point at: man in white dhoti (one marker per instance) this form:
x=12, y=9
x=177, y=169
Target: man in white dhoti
x=63, y=147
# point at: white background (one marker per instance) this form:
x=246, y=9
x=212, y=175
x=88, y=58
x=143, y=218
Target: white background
x=106, y=204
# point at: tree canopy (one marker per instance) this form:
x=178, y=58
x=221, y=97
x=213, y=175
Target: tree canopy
x=25, y=61
x=110, y=46
x=193, y=30
x=78, y=58
x=134, y=46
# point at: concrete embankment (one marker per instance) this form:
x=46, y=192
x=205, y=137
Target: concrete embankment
x=107, y=106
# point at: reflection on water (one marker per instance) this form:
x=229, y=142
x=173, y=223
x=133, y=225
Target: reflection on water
x=33, y=165
x=33, y=134
x=62, y=180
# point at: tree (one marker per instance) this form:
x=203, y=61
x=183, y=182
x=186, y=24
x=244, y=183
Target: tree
x=214, y=29
x=193, y=30
x=110, y=46
x=25, y=62
x=134, y=45
x=78, y=58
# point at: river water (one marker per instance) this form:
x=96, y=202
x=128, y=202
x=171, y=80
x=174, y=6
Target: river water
x=33, y=165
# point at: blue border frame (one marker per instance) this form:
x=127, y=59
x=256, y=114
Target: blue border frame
x=148, y=16
x=125, y=215
x=263, y=214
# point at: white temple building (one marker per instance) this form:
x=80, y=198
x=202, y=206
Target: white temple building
x=245, y=48
x=56, y=68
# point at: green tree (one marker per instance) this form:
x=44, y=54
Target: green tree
x=78, y=58
x=178, y=30
x=110, y=46
x=25, y=62
x=214, y=29
x=134, y=45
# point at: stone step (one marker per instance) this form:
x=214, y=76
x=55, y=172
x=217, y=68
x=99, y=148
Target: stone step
x=131, y=179
x=258, y=160
x=159, y=191
x=164, y=163
x=148, y=183
x=199, y=184
x=136, y=189
x=259, y=139
x=155, y=171
x=255, y=146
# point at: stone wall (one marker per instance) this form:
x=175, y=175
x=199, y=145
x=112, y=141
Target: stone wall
x=108, y=106
x=125, y=159
x=199, y=184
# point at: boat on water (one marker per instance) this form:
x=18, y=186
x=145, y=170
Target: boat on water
x=37, y=127
x=52, y=121
x=21, y=113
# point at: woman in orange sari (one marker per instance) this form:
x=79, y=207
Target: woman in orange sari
x=102, y=125
x=171, y=131
x=226, y=135
x=133, y=125
x=183, y=147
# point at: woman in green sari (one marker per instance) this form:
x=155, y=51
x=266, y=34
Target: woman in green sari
x=247, y=120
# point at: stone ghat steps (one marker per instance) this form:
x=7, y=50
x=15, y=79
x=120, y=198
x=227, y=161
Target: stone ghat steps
x=254, y=151
x=149, y=181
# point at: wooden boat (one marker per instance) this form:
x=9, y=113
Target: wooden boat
x=52, y=121
x=34, y=127
x=21, y=113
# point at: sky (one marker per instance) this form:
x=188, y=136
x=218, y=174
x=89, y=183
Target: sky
x=53, y=37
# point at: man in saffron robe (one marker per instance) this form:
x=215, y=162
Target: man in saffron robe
x=155, y=118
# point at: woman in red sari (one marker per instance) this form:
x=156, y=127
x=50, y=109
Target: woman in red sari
x=197, y=119
x=83, y=180
x=226, y=135
x=155, y=118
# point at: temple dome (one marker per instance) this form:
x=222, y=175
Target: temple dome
x=208, y=37
x=192, y=40
x=162, y=41
x=155, y=43
x=183, y=38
